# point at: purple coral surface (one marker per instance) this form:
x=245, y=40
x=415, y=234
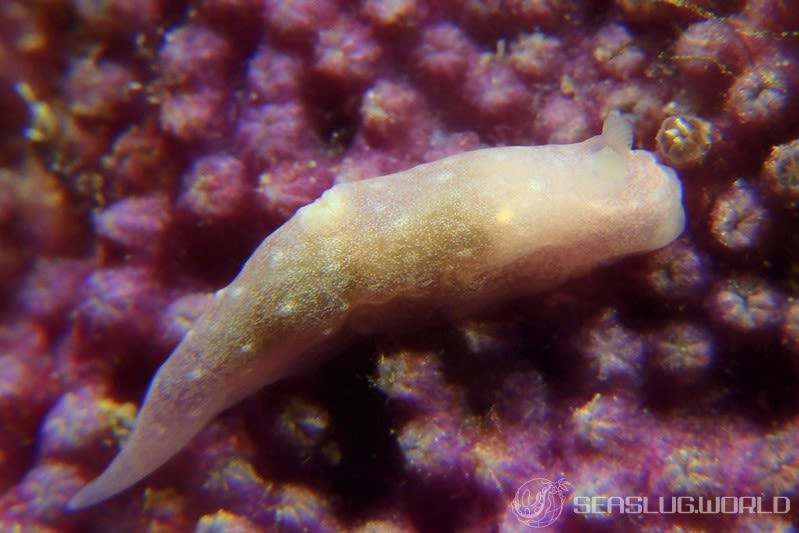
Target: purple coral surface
x=147, y=147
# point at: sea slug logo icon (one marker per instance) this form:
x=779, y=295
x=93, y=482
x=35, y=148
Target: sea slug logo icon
x=539, y=502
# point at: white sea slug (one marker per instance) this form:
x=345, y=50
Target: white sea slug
x=433, y=242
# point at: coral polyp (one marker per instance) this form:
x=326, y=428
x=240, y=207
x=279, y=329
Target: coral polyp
x=684, y=140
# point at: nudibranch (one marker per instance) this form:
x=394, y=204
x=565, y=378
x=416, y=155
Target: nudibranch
x=437, y=241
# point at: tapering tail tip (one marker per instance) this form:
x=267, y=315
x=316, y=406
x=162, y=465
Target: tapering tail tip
x=111, y=482
x=85, y=497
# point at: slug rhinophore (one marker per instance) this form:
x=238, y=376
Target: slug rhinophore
x=436, y=241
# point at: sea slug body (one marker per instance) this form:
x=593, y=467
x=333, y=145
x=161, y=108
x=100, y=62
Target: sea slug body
x=437, y=241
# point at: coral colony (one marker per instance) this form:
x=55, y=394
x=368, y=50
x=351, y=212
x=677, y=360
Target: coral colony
x=147, y=148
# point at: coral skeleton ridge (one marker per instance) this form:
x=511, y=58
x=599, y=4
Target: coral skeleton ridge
x=439, y=240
